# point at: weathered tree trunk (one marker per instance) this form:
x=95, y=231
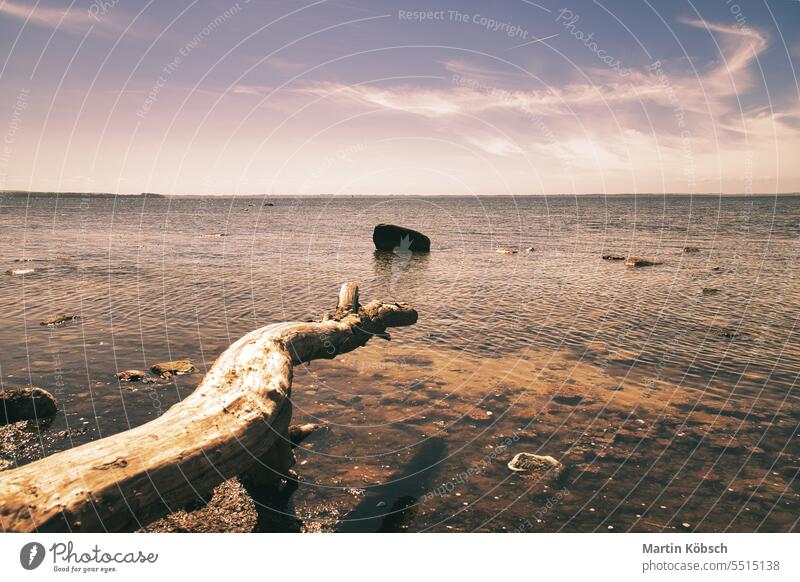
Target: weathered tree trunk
x=229, y=425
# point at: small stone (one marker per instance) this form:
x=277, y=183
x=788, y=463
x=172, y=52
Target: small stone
x=507, y=251
x=131, y=375
x=710, y=290
x=727, y=333
x=613, y=257
x=530, y=463
x=686, y=525
x=641, y=262
x=530, y=250
x=18, y=272
x=691, y=249
x=381, y=504
x=174, y=367
x=299, y=432
x=59, y=318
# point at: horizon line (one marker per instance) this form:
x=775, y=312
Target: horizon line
x=331, y=195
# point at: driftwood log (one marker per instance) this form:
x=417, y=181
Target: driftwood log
x=235, y=423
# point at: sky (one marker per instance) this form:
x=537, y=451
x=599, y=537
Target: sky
x=347, y=97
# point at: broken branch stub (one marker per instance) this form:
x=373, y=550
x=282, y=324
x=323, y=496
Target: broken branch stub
x=228, y=426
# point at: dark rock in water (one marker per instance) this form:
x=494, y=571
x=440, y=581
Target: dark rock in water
x=59, y=319
x=131, y=375
x=691, y=249
x=641, y=262
x=175, y=367
x=535, y=464
x=26, y=404
x=613, y=257
x=710, y=291
x=716, y=269
x=388, y=237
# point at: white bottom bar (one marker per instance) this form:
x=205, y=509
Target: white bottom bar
x=354, y=557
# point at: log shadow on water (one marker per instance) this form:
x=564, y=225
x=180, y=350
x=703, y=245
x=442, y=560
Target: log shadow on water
x=400, y=493
x=276, y=512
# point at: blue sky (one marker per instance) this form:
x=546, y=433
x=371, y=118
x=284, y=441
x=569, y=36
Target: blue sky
x=353, y=97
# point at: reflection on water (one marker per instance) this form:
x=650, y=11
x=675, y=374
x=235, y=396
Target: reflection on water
x=395, y=271
x=646, y=386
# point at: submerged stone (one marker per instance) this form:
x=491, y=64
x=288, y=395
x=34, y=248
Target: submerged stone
x=641, y=262
x=727, y=332
x=507, y=251
x=17, y=272
x=131, y=375
x=691, y=249
x=59, y=319
x=540, y=464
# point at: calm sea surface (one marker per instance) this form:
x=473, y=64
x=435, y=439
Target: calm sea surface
x=670, y=407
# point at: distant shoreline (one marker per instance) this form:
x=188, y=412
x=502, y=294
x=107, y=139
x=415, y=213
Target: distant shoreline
x=39, y=194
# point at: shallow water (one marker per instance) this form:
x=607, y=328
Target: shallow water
x=667, y=405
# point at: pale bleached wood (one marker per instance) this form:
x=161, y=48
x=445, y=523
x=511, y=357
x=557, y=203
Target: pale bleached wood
x=348, y=298
x=226, y=427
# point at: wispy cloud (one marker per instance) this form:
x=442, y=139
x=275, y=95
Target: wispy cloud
x=61, y=18
x=494, y=144
x=473, y=91
x=652, y=120
x=72, y=20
